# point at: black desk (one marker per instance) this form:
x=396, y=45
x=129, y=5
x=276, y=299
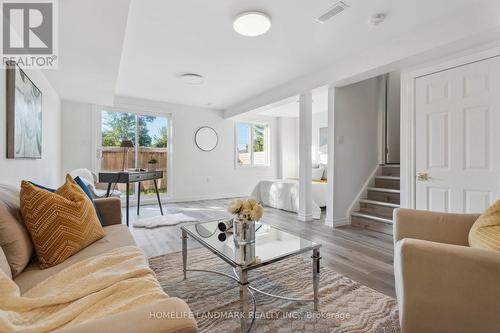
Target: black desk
x=127, y=177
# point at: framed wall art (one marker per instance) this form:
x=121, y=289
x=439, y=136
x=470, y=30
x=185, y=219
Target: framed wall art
x=24, y=115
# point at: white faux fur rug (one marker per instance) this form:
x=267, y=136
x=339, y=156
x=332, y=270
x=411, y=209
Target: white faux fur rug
x=161, y=221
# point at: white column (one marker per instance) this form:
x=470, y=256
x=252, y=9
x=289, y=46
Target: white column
x=305, y=158
x=331, y=166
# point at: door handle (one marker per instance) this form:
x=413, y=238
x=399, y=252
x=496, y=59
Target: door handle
x=423, y=176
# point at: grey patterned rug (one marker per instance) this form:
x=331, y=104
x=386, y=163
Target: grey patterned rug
x=345, y=305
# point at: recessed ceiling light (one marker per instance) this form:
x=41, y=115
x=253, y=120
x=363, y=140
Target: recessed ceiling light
x=191, y=78
x=252, y=24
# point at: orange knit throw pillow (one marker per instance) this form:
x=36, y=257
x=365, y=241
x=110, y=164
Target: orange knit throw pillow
x=60, y=223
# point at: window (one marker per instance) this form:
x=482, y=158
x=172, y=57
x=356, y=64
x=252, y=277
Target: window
x=252, y=144
x=150, y=135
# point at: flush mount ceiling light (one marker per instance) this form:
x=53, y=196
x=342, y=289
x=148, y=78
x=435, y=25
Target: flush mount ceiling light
x=191, y=78
x=252, y=23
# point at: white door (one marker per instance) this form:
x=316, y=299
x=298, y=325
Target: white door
x=458, y=138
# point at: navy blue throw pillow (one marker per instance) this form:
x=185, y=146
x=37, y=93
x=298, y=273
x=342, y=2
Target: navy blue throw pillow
x=85, y=189
x=43, y=187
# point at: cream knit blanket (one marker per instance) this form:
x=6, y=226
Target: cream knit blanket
x=117, y=281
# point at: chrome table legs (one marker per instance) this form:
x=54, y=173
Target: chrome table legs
x=184, y=253
x=316, y=258
x=247, y=291
x=243, y=281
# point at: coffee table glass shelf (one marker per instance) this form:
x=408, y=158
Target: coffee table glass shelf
x=271, y=245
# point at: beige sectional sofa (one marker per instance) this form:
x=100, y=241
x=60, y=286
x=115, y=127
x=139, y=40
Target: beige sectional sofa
x=117, y=235
x=442, y=284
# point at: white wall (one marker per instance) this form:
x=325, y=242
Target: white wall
x=393, y=116
x=356, y=141
x=319, y=120
x=288, y=147
x=47, y=170
x=288, y=141
x=197, y=175
x=77, y=132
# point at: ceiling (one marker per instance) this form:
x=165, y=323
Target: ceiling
x=289, y=108
x=139, y=48
x=91, y=34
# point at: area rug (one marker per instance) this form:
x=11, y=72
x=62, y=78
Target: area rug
x=345, y=305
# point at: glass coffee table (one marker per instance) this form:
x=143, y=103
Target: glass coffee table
x=271, y=245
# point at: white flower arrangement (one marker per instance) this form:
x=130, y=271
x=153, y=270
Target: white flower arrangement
x=246, y=210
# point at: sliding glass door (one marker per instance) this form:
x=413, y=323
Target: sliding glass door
x=152, y=152
x=150, y=137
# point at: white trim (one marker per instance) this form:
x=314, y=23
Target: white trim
x=95, y=139
x=340, y=222
x=329, y=220
x=304, y=217
x=408, y=112
x=170, y=165
x=382, y=120
x=407, y=141
x=362, y=193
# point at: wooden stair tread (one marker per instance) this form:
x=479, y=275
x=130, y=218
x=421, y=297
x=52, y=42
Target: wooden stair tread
x=380, y=189
x=379, y=203
x=372, y=217
x=388, y=177
x=376, y=210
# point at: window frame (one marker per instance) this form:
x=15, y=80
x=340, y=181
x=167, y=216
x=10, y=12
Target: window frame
x=267, y=144
x=97, y=111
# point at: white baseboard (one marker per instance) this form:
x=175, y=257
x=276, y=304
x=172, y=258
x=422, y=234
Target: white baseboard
x=341, y=222
x=305, y=218
x=337, y=222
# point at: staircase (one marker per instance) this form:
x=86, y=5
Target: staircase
x=374, y=212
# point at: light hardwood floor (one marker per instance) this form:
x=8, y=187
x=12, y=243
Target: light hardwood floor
x=362, y=255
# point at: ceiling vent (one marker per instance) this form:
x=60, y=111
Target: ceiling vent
x=338, y=8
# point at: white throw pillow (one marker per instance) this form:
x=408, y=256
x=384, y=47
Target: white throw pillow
x=317, y=173
x=85, y=175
